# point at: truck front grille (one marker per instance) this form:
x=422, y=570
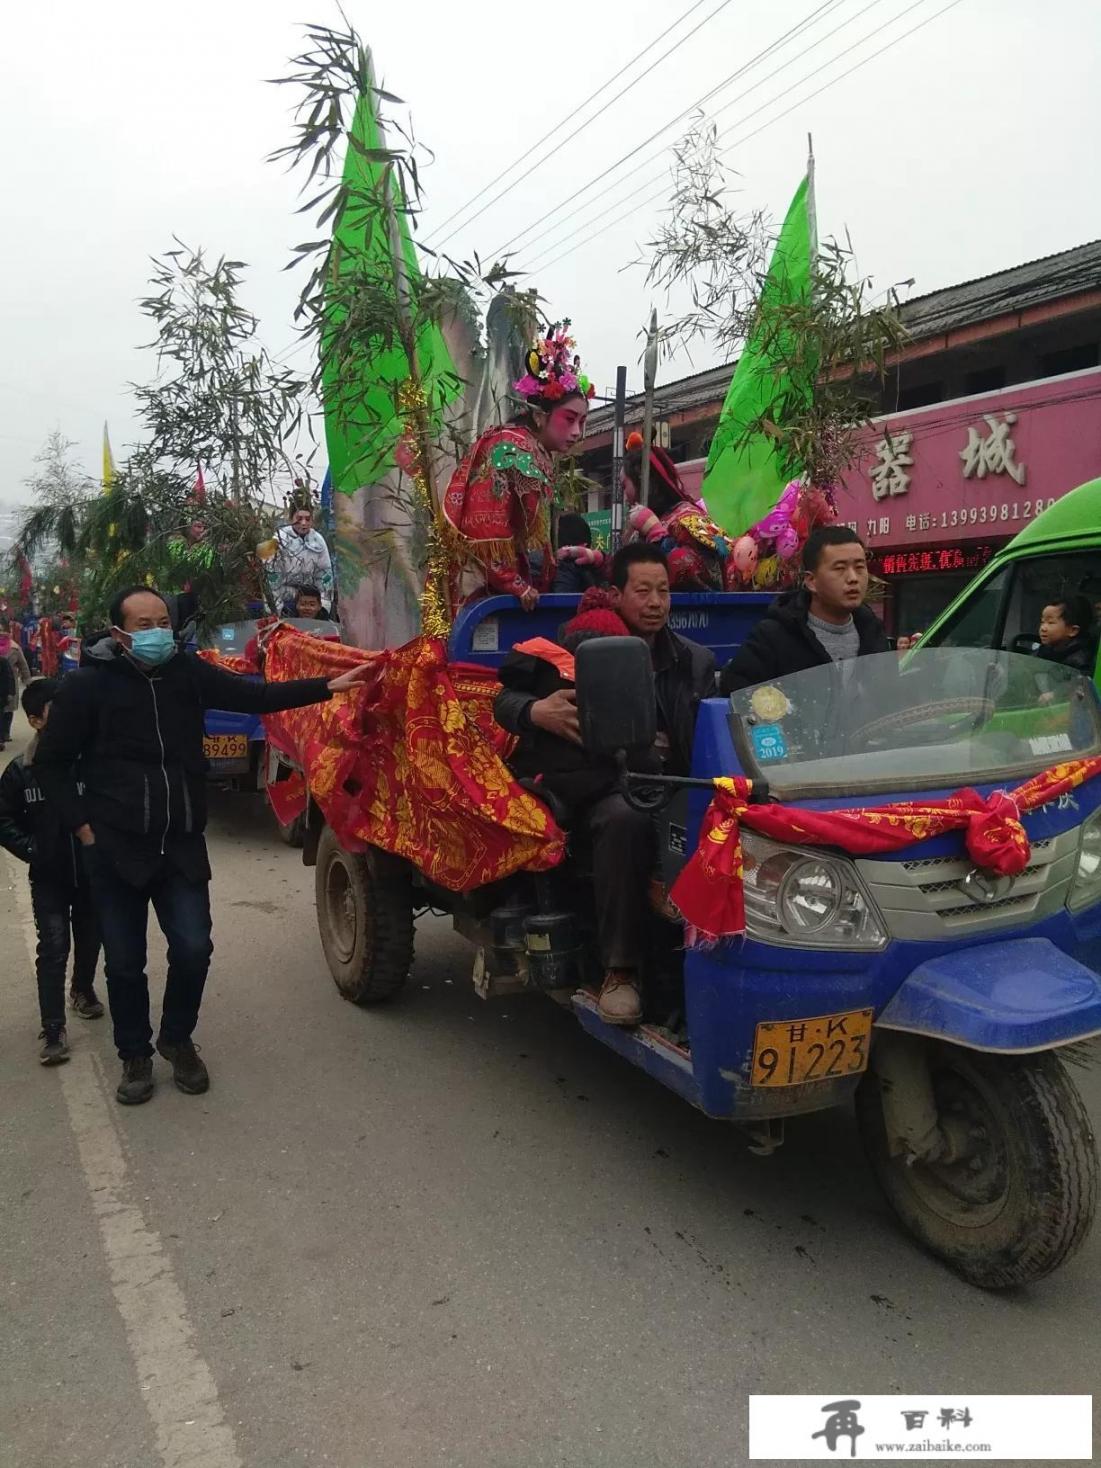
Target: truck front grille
x=924, y=899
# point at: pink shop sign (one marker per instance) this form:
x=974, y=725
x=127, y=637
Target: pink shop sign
x=975, y=467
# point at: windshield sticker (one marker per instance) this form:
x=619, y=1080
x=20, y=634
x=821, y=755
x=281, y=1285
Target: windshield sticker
x=1050, y=744
x=769, y=742
x=769, y=703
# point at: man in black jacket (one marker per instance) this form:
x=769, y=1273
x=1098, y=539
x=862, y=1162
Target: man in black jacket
x=623, y=838
x=824, y=621
x=61, y=900
x=133, y=718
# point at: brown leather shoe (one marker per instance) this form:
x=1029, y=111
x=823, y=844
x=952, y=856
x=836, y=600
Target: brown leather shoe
x=661, y=902
x=619, y=1002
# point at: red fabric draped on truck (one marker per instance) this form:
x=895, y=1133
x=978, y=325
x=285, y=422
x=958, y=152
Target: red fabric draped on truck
x=411, y=762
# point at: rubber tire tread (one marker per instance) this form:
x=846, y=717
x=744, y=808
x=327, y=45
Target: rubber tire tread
x=380, y=965
x=1045, y=1108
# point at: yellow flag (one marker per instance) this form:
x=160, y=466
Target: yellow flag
x=108, y=462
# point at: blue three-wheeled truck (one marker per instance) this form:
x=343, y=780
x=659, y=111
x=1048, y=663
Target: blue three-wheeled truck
x=933, y=995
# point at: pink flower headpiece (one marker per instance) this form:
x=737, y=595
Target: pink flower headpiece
x=554, y=368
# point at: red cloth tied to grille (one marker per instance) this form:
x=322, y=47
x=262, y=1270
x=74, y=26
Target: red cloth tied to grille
x=411, y=761
x=709, y=891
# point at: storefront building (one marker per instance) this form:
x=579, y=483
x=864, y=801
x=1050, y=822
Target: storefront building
x=937, y=490
x=990, y=412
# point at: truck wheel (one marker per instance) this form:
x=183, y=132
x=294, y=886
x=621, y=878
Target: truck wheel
x=293, y=834
x=1017, y=1195
x=365, y=917
x=274, y=770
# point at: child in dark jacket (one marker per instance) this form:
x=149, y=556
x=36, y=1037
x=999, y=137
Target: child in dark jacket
x=60, y=897
x=580, y=566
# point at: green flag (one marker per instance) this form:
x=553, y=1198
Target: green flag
x=744, y=478
x=371, y=241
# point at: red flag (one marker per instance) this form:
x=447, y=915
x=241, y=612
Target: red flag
x=25, y=578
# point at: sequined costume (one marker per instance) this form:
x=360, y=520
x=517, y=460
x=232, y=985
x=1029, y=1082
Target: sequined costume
x=498, y=505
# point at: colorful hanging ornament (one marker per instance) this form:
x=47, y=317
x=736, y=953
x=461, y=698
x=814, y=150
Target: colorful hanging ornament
x=554, y=369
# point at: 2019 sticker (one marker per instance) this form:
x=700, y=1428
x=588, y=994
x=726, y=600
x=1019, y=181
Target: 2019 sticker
x=769, y=742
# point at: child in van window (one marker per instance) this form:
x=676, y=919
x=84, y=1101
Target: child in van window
x=1066, y=637
x=1066, y=633
x=60, y=897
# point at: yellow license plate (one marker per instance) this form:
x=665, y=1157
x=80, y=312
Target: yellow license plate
x=791, y=1052
x=225, y=746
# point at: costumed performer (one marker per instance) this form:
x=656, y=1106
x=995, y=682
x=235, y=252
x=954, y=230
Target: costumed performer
x=675, y=521
x=498, y=504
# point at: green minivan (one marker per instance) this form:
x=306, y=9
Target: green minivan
x=1059, y=553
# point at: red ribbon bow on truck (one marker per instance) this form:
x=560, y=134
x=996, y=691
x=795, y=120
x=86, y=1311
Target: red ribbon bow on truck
x=709, y=892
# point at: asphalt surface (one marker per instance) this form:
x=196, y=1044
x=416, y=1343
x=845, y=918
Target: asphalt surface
x=442, y=1233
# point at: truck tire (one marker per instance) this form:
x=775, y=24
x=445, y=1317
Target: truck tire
x=1021, y=1198
x=365, y=917
x=274, y=770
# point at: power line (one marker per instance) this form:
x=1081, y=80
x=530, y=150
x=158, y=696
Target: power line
x=580, y=128
x=551, y=132
x=779, y=116
x=671, y=122
x=660, y=153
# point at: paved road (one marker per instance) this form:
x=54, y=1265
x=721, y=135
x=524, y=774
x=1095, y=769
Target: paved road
x=444, y=1233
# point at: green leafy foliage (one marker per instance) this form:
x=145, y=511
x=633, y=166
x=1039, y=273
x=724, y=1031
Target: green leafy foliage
x=829, y=353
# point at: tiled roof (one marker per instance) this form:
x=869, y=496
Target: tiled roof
x=1051, y=278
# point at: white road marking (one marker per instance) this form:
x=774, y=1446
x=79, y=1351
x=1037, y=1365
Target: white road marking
x=177, y=1385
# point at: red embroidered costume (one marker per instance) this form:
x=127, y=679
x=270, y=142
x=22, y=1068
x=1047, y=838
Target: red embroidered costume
x=499, y=503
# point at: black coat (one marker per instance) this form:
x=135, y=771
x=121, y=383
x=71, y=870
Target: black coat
x=684, y=672
x=782, y=642
x=571, y=576
x=1078, y=653
x=31, y=829
x=562, y=767
x=138, y=734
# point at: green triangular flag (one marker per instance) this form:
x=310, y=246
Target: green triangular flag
x=362, y=418
x=744, y=480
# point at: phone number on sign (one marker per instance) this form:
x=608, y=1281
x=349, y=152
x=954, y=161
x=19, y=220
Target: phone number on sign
x=989, y=514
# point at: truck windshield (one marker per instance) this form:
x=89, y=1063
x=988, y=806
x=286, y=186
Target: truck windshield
x=234, y=637
x=942, y=717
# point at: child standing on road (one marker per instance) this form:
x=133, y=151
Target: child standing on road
x=31, y=830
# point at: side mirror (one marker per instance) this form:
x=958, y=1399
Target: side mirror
x=615, y=695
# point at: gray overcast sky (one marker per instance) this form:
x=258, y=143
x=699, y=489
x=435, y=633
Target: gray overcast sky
x=967, y=147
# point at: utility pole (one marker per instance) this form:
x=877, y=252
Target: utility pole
x=616, y=534
x=649, y=378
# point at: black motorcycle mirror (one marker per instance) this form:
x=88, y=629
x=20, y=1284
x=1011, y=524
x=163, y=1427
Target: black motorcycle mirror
x=615, y=696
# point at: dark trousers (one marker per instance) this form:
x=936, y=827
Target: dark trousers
x=61, y=911
x=183, y=912
x=5, y=727
x=623, y=862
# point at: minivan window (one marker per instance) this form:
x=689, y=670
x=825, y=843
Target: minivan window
x=976, y=622
x=1041, y=579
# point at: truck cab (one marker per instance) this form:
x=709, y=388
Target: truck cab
x=1059, y=553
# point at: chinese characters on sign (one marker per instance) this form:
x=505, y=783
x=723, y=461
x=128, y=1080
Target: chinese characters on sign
x=891, y=475
x=994, y=454
x=928, y=562
x=989, y=453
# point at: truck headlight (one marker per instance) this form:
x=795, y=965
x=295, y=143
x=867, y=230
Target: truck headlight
x=805, y=900
x=1086, y=887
